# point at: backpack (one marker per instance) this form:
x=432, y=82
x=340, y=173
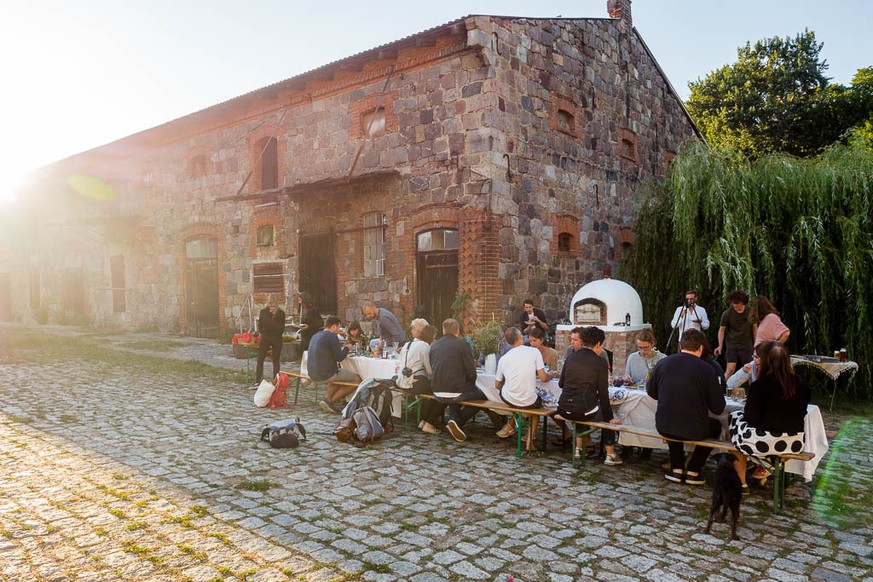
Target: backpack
x=277, y=399
x=380, y=400
x=284, y=434
x=368, y=428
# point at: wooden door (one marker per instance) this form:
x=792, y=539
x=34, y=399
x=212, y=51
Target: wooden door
x=318, y=271
x=437, y=274
x=201, y=297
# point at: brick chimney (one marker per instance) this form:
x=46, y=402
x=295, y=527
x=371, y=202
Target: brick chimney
x=620, y=9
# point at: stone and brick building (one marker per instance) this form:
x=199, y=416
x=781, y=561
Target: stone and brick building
x=489, y=158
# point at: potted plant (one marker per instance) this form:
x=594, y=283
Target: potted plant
x=486, y=338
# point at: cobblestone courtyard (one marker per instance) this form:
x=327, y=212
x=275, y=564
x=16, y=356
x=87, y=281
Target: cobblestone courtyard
x=136, y=465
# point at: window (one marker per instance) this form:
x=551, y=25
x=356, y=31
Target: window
x=565, y=242
x=197, y=167
x=627, y=149
x=201, y=248
x=373, y=123
x=374, y=244
x=438, y=240
x=268, y=278
x=267, y=154
x=116, y=270
x=265, y=235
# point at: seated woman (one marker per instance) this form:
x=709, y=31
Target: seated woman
x=356, y=338
x=416, y=373
x=537, y=338
x=775, y=408
x=640, y=363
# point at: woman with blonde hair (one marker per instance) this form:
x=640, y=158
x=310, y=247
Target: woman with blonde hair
x=416, y=373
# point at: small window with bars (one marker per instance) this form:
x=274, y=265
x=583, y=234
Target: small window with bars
x=265, y=235
x=374, y=244
x=268, y=278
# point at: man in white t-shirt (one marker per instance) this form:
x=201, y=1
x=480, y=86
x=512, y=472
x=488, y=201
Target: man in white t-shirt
x=517, y=373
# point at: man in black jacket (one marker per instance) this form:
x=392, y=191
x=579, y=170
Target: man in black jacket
x=271, y=326
x=687, y=390
x=454, y=379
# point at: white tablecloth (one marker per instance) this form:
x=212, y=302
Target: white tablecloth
x=379, y=368
x=637, y=408
x=486, y=383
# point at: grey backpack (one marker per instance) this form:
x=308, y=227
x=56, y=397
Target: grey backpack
x=367, y=425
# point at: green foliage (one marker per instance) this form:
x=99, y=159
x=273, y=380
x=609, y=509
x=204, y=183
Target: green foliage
x=486, y=336
x=796, y=230
x=776, y=98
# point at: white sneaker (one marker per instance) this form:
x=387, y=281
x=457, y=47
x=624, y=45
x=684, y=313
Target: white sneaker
x=430, y=429
x=421, y=425
x=612, y=460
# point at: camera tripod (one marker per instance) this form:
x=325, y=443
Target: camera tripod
x=680, y=325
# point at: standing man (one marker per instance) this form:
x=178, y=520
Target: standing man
x=271, y=326
x=325, y=355
x=454, y=379
x=531, y=318
x=736, y=333
x=517, y=372
x=687, y=390
x=690, y=315
x=389, y=328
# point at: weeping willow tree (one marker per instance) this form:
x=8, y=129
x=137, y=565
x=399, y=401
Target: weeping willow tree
x=799, y=231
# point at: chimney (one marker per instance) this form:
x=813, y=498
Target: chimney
x=620, y=9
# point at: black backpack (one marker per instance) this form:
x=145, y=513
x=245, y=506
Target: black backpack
x=284, y=434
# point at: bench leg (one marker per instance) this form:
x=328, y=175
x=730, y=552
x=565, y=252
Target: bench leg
x=407, y=404
x=519, y=429
x=778, y=485
x=296, y=391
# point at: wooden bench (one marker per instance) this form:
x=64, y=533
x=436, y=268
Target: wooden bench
x=303, y=377
x=519, y=415
x=778, y=464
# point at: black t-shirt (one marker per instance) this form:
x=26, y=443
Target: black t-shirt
x=738, y=329
x=524, y=317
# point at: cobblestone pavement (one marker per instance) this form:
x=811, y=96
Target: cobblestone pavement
x=123, y=467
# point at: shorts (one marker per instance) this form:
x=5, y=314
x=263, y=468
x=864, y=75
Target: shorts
x=738, y=357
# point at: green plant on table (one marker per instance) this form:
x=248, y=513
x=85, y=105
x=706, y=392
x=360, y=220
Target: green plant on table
x=486, y=336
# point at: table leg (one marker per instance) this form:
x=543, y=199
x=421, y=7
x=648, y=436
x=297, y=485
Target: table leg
x=833, y=395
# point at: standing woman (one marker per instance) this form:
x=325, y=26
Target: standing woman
x=775, y=408
x=311, y=320
x=770, y=326
x=271, y=326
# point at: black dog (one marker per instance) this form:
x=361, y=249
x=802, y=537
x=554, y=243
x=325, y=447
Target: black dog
x=727, y=492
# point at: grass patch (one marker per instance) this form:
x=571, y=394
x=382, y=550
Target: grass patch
x=380, y=568
x=220, y=537
x=259, y=486
x=118, y=513
x=67, y=419
x=134, y=548
x=19, y=419
x=135, y=526
x=101, y=532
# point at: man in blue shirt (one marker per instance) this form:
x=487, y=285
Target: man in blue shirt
x=389, y=328
x=323, y=358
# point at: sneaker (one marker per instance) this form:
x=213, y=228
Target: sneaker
x=746, y=489
x=421, y=425
x=254, y=386
x=327, y=406
x=760, y=473
x=612, y=460
x=508, y=430
x=456, y=431
x=430, y=429
x=693, y=478
x=578, y=454
x=676, y=476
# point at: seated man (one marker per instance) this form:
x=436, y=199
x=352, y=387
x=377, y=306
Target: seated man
x=517, y=372
x=585, y=391
x=454, y=379
x=687, y=390
x=324, y=356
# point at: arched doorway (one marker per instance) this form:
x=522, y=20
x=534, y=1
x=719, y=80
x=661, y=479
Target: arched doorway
x=437, y=273
x=201, y=287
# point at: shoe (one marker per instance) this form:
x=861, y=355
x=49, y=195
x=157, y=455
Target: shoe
x=693, y=478
x=421, y=425
x=254, y=386
x=327, y=406
x=430, y=429
x=676, y=476
x=612, y=460
x=508, y=430
x=456, y=431
x=578, y=454
x=746, y=489
x=760, y=473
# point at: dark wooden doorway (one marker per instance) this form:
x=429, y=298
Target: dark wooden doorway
x=73, y=302
x=318, y=271
x=437, y=274
x=201, y=288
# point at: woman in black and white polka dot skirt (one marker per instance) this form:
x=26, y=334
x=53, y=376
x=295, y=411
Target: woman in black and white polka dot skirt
x=772, y=421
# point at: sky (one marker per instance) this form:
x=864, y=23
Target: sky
x=77, y=74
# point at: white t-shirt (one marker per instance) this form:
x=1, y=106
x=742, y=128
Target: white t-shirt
x=518, y=371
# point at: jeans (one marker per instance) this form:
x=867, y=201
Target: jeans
x=266, y=344
x=462, y=414
x=698, y=456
